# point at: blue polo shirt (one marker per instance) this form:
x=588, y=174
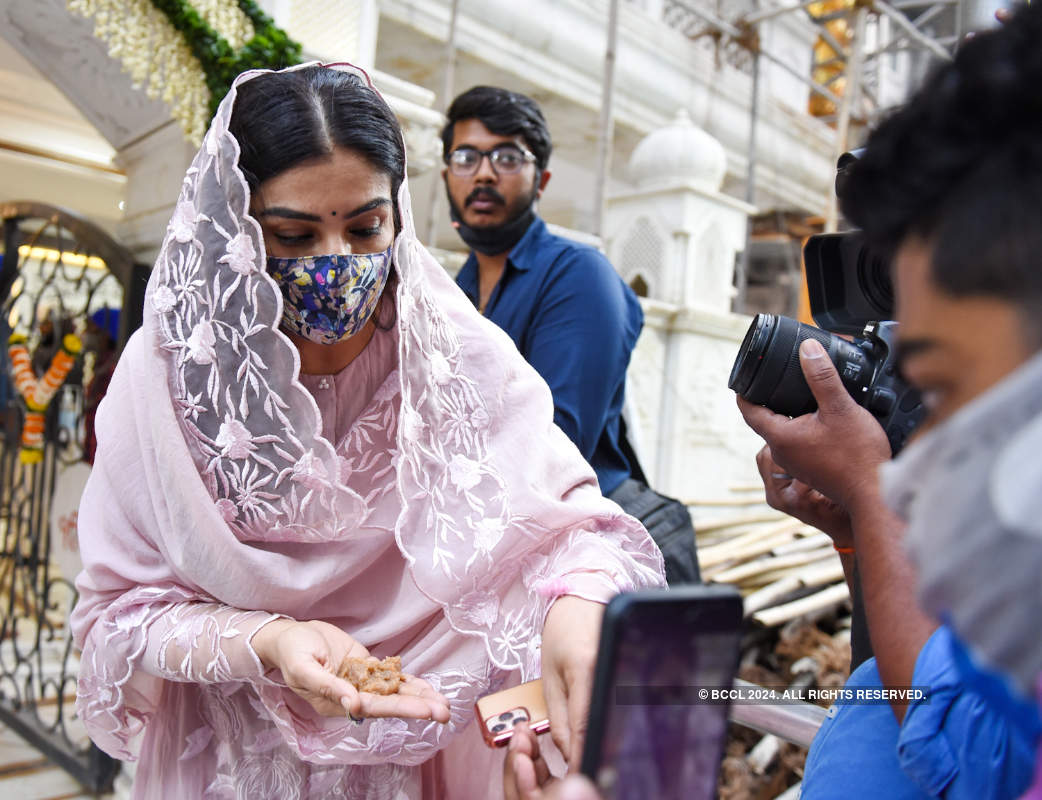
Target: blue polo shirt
x=954, y=746
x=576, y=321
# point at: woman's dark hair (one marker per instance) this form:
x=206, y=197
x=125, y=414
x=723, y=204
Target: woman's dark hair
x=504, y=113
x=960, y=166
x=283, y=119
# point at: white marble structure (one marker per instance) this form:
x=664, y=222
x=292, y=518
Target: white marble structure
x=554, y=51
x=676, y=237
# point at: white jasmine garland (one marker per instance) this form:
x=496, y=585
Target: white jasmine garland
x=225, y=17
x=157, y=57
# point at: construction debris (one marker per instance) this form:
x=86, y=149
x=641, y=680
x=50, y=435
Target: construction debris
x=797, y=609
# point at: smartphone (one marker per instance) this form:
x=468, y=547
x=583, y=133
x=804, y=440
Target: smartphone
x=649, y=735
x=498, y=713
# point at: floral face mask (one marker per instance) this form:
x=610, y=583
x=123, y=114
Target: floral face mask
x=329, y=298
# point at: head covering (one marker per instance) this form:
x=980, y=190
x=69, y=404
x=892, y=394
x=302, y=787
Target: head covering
x=214, y=482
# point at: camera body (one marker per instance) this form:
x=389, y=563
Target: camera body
x=767, y=372
x=850, y=295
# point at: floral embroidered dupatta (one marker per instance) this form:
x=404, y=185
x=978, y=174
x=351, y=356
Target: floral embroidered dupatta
x=214, y=487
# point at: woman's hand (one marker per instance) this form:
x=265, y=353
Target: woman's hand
x=525, y=772
x=570, y=636
x=309, y=654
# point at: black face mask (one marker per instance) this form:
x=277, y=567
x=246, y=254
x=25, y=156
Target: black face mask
x=493, y=240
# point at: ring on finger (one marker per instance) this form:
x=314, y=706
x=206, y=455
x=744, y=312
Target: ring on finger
x=781, y=476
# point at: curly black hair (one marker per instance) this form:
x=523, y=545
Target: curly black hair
x=505, y=113
x=960, y=166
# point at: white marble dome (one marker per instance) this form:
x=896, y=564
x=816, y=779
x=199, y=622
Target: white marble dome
x=680, y=152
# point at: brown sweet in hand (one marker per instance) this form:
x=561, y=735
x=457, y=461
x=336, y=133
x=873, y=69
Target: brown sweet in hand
x=371, y=675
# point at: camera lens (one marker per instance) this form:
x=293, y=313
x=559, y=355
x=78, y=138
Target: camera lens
x=767, y=370
x=873, y=278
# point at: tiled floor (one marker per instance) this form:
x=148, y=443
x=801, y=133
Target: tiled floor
x=26, y=775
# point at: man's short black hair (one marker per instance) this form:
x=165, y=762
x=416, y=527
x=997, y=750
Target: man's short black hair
x=505, y=113
x=961, y=167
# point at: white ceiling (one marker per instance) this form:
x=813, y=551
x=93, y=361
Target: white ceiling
x=50, y=151
x=62, y=48
x=34, y=114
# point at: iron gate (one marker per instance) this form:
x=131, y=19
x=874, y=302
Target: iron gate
x=63, y=285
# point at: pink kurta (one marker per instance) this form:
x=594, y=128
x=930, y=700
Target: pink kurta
x=217, y=741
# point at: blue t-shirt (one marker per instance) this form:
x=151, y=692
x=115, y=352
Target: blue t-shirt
x=953, y=746
x=576, y=321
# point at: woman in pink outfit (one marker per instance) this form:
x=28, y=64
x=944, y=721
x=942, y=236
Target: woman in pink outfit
x=316, y=447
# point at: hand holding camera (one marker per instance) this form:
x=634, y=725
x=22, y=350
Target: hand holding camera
x=850, y=292
x=767, y=372
x=837, y=448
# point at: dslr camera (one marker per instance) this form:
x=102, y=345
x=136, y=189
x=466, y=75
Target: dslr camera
x=850, y=293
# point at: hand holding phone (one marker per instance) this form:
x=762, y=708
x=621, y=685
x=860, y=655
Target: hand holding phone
x=498, y=713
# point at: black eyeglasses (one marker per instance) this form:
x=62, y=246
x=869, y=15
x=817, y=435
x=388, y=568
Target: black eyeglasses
x=506, y=159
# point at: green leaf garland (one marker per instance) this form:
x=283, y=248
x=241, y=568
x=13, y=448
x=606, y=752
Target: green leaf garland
x=270, y=48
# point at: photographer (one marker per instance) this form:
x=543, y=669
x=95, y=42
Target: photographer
x=951, y=187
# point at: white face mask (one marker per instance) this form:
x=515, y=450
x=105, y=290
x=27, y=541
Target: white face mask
x=970, y=491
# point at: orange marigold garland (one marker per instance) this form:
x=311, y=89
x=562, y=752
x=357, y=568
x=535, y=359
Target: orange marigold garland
x=37, y=393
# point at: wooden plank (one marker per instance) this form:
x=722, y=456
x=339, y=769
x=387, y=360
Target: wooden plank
x=727, y=522
x=726, y=502
x=42, y=784
x=777, y=615
x=749, y=569
x=15, y=768
x=751, y=543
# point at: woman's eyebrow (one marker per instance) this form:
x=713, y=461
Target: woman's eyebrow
x=376, y=202
x=288, y=213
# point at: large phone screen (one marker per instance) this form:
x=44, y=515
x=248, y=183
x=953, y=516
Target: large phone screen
x=657, y=739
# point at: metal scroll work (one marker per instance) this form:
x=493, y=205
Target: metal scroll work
x=69, y=296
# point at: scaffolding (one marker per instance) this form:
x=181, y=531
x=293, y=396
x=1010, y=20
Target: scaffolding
x=851, y=82
x=857, y=41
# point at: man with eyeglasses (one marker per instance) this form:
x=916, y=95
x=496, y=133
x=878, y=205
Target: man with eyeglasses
x=568, y=311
